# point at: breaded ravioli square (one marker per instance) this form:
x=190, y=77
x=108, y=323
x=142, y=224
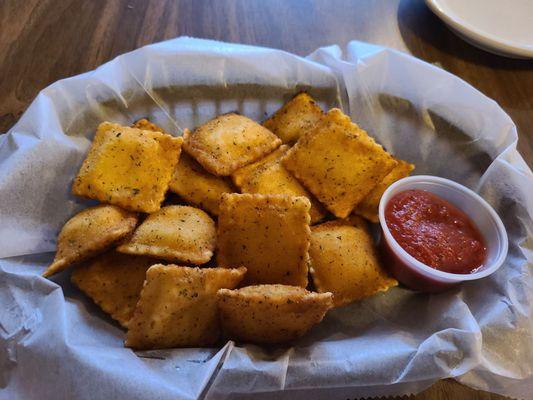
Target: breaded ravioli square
x=297, y=117
x=344, y=261
x=114, y=282
x=368, y=207
x=174, y=233
x=268, y=176
x=267, y=234
x=271, y=313
x=338, y=163
x=178, y=307
x=197, y=186
x=229, y=142
x=90, y=232
x=128, y=167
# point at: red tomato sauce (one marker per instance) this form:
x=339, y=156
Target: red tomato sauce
x=435, y=232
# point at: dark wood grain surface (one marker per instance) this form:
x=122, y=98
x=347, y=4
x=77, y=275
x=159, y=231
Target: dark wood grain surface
x=42, y=41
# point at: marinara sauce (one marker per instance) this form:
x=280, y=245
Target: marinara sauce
x=435, y=232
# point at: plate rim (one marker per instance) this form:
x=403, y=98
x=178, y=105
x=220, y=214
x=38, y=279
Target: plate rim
x=483, y=40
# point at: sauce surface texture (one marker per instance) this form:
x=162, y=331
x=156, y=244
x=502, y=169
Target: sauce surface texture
x=435, y=232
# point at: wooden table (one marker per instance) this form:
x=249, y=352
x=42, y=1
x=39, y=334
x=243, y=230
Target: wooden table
x=42, y=41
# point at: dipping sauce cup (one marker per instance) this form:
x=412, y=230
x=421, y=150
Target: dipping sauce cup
x=419, y=276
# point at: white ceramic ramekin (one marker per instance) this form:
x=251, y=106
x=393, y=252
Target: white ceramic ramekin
x=417, y=275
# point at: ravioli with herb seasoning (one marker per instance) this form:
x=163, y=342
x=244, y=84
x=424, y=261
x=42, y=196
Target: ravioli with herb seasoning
x=128, y=167
x=89, y=233
x=338, y=162
x=268, y=176
x=229, y=142
x=344, y=261
x=114, y=282
x=178, y=307
x=268, y=234
x=297, y=117
x=197, y=186
x=174, y=233
x=271, y=313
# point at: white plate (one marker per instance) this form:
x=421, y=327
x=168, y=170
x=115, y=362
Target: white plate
x=501, y=27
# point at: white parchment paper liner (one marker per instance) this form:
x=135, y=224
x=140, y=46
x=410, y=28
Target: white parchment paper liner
x=55, y=344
